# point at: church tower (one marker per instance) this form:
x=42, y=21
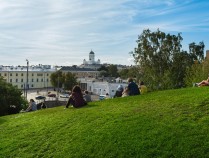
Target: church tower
x=91, y=57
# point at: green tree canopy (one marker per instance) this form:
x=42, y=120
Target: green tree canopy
x=10, y=97
x=57, y=79
x=161, y=61
x=70, y=81
x=66, y=80
x=113, y=70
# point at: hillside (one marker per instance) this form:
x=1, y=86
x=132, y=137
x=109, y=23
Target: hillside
x=172, y=123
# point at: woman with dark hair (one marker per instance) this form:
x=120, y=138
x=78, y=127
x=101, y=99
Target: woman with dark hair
x=76, y=98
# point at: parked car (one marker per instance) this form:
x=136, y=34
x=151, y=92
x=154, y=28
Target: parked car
x=40, y=97
x=102, y=97
x=52, y=95
x=64, y=95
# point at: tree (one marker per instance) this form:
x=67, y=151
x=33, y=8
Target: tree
x=57, y=78
x=103, y=73
x=11, y=100
x=199, y=68
x=156, y=55
x=124, y=73
x=60, y=79
x=112, y=70
x=197, y=51
x=70, y=81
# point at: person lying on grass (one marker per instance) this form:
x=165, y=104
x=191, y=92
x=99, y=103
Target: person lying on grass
x=204, y=83
x=76, y=98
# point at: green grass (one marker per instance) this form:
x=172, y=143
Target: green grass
x=173, y=123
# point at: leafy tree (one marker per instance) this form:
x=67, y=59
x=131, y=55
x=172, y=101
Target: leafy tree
x=156, y=55
x=181, y=62
x=199, y=68
x=197, y=51
x=67, y=80
x=124, y=73
x=113, y=70
x=103, y=73
x=11, y=100
x=57, y=78
x=70, y=81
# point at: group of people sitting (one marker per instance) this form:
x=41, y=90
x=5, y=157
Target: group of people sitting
x=77, y=99
x=131, y=89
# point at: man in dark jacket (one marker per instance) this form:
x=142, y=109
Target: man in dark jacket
x=132, y=87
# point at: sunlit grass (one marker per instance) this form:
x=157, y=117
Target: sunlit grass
x=173, y=123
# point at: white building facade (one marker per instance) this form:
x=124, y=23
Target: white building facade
x=91, y=63
x=101, y=88
x=38, y=76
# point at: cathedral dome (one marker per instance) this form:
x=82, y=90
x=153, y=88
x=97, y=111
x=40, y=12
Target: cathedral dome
x=91, y=52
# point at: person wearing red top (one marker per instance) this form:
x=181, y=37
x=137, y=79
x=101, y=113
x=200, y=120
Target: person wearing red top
x=76, y=98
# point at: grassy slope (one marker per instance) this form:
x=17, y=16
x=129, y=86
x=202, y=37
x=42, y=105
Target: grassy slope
x=173, y=123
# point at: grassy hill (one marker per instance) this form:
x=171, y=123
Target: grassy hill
x=173, y=123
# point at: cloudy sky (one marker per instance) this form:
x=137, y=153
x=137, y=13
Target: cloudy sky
x=63, y=32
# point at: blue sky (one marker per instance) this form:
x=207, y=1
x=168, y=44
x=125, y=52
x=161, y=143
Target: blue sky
x=63, y=32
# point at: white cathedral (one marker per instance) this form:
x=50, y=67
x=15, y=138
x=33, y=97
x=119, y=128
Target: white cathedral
x=91, y=63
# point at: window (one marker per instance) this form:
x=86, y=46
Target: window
x=32, y=80
x=5, y=74
x=37, y=80
x=16, y=74
x=32, y=85
x=47, y=80
x=21, y=74
x=21, y=86
x=39, y=74
x=16, y=80
x=47, y=74
x=10, y=74
x=21, y=80
x=0, y=74
x=10, y=80
x=42, y=80
x=32, y=74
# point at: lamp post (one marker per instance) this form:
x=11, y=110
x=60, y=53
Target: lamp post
x=27, y=79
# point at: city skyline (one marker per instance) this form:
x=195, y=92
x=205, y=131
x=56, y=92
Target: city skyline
x=63, y=32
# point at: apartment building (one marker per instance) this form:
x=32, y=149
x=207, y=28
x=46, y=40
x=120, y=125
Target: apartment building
x=38, y=76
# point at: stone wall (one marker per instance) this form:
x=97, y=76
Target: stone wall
x=55, y=103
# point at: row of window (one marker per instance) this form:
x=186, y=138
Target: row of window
x=37, y=80
x=22, y=86
x=39, y=74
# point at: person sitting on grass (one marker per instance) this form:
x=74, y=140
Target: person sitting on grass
x=133, y=87
x=87, y=97
x=76, y=98
x=32, y=106
x=125, y=92
x=119, y=91
x=142, y=88
x=203, y=83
